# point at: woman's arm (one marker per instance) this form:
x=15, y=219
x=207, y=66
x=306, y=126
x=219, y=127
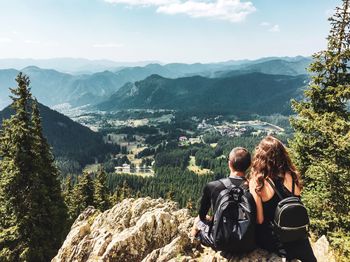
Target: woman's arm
x=258, y=202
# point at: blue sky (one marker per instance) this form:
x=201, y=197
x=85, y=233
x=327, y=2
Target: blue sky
x=163, y=30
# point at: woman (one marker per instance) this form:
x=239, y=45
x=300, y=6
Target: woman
x=272, y=165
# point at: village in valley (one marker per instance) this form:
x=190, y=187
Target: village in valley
x=140, y=133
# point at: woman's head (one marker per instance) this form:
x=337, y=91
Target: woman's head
x=272, y=160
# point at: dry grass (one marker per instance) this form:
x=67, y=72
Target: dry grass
x=197, y=169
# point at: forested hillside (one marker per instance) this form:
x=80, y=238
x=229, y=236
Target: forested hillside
x=69, y=140
x=236, y=94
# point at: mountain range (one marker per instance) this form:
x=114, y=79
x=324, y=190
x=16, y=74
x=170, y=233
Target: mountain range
x=52, y=87
x=69, y=65
x=249, y=93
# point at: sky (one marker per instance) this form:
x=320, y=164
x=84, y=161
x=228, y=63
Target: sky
x=163, y=30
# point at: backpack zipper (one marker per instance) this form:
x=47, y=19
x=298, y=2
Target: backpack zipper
x=293, y=228
x=279, y=217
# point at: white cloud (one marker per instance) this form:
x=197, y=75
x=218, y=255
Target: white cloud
x=34, y=42
x=265, y=24
x=107, y=45
x=275, y=28
x=5, y=40
x=229, y=10
x=272, y=28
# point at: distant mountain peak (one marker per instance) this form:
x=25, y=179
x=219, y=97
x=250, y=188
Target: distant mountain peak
x=154, y=76
x=31, y=68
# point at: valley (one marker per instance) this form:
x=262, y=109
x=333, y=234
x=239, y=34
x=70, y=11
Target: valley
x=161, y=130
x=139, y=134
x=140, y=119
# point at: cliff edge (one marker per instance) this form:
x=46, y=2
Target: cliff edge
x=148, y=230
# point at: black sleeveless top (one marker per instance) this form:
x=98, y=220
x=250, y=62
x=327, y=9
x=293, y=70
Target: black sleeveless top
x=265, y=236
x=266, y=239
x=270, y=206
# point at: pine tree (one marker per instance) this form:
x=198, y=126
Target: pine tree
x=322, y=131
x=68, y=198
x=50, y=200
x=113, y=198
x=17, y=177
x=101, y=196
x=83, y=194
x=125, y=191
x=30, y=208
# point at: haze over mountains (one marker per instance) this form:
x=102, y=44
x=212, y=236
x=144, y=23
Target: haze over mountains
x=69, y=65
x=52, y=87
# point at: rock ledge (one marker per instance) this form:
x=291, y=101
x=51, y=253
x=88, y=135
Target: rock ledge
x=148, y=230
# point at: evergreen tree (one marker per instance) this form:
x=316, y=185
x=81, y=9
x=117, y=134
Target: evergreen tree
x=50, y=200
x=17, y=178
x=101, y=196
x=68, y=198
x=83, y=194
x=113, y=198
x=322, y=132
x=125, y=192
x=31, y=209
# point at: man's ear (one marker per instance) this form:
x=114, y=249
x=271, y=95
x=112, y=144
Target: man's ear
x=230, y=166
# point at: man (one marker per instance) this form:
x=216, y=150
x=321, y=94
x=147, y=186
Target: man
x=239, y=161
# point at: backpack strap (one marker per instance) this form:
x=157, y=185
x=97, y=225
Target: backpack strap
x=238, y=182
x=293, y=183
x=274, y=188
x=227, y=183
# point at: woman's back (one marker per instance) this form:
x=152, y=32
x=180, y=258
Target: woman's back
x=269, y=197
x=265, y=235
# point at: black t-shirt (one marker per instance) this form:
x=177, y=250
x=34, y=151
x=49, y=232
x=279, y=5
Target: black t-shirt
x=211, y=192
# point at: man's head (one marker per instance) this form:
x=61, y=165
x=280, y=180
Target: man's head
x=239, y=159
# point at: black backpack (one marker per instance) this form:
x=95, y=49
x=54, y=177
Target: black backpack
x=233, y=227
x=291, y=219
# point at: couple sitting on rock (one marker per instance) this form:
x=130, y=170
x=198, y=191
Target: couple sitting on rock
x=269, y=197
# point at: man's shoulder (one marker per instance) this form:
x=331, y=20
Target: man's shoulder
x=220, y=182
x=214, y=184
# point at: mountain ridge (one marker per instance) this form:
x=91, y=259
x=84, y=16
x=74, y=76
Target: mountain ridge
x=53, y=87
x=236, y=94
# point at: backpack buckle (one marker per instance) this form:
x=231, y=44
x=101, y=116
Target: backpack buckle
x=236, y=193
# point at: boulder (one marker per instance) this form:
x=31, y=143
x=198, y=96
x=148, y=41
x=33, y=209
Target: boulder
x=148, y=230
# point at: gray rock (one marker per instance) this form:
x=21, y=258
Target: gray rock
x=148, y=230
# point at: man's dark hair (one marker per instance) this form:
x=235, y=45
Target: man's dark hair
x=240, y=159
